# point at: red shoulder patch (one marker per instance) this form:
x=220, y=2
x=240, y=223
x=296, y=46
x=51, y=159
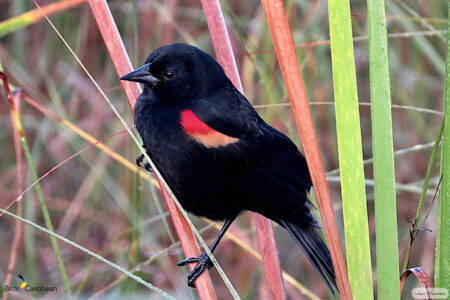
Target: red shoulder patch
x=202, y=133
x=192, y=124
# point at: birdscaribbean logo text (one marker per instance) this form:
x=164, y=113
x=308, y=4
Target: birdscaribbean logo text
x=22, y=285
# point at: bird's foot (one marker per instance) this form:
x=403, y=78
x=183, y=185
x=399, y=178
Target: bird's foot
x=203, y=263
x=146, y=165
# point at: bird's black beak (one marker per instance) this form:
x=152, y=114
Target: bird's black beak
x=142, y=75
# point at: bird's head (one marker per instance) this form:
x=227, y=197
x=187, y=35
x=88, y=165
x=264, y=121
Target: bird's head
x=177, y=72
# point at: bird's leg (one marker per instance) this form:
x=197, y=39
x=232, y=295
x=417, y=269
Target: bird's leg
x=146, y=165
x=203, y=261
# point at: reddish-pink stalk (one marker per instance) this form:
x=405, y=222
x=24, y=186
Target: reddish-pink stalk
x=225, y=56
x=422, y=276
x=116, y=50
x=221, y=40
x=285, y=49
x=18, y=230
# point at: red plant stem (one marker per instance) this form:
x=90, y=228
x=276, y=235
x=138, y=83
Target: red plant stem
x=284, y=47
x=18, y=230
x=270, y=259
x=225, y=56
x=221, y=40
x=422, y=276
x=116, y=50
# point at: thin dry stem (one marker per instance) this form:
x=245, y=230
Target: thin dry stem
x=18, y=230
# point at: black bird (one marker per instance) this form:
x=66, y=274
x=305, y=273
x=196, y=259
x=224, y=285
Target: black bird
x=217, y=154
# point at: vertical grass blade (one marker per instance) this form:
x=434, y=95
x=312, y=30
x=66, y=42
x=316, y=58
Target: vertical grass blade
x=442, y=263
x=39, y=192
x=287, y=58
x=18, y=229
x=423, y=195
x=350, y=150
x=225, y=56
x=383, y=155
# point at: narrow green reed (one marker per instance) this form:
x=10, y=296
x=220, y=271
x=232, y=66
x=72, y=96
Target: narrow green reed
x=442, y=262
x=383, y=155
x=40, y=195
x=130, y=286
x=424, y=191
x=422, y=43
x=350, y=151
x=134, y=256
x=45, y=213
x=160, y=211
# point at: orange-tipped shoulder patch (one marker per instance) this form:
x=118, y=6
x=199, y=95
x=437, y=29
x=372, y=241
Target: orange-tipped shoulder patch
x=202, y=133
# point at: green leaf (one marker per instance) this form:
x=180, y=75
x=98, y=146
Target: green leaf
x=350, y=151
x=442, y=263
x=383, y=155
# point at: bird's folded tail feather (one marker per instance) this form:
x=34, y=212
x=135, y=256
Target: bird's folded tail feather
x=315, y=250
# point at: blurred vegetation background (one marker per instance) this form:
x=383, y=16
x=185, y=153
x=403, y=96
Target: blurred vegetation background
x=102, y=205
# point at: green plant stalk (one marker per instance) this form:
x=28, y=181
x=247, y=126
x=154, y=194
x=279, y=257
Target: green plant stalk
x=442, y=262
x=45, y=213
x=29, y=213
x=422, y=21
x=39, y=192
x=130, y=286
x=424, y=191
x=20, y=35
x=14, y=24
x=159, y=208
x=137, y=208
x=383, y=155
x=350, y=151
x=100, y=258
x=422, y=42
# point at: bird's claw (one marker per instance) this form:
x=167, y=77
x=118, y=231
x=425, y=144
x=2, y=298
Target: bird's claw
x=203, y=263
x=146, y=165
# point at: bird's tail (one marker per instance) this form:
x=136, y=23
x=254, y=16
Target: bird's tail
x=315, y=250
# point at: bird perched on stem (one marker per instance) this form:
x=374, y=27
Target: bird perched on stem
x=217, y=154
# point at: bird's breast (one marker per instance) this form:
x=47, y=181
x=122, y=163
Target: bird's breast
x=202, y=133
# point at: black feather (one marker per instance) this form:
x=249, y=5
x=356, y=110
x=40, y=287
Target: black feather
x=315, y=250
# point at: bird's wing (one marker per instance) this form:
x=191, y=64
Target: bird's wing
x=261, y=166
x=247, y=146
x=228, y=112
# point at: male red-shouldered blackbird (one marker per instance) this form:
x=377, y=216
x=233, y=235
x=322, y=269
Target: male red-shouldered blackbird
x=217, y=154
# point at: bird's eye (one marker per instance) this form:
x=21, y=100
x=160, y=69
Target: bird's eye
x=168, y=75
